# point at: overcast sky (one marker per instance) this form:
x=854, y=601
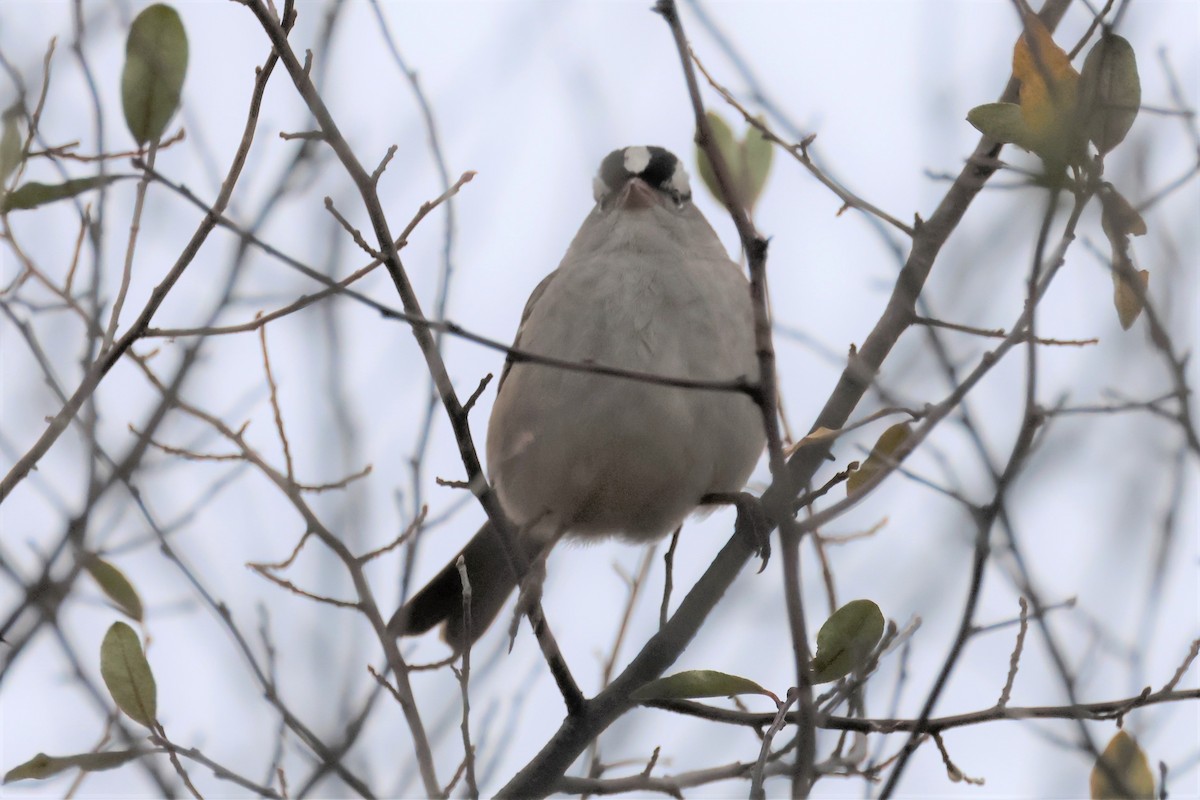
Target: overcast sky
x=530, y=96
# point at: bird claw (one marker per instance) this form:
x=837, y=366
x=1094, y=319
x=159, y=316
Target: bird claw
x=529, y=598
x=752, y=521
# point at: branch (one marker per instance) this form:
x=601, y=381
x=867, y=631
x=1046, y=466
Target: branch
x=110, y=357
x=1098, y=711
x=539, y=776
x=755, y=247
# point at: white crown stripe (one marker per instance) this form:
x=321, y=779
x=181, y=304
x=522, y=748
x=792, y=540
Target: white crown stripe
x=636, y=159
x=679, y=180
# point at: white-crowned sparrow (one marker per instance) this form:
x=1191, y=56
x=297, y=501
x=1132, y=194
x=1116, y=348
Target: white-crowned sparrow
x=645, y=286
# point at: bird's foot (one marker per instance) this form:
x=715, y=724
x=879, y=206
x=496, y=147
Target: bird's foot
x=752, y=520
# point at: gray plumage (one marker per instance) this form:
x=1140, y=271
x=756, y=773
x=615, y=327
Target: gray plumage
x=646, y=286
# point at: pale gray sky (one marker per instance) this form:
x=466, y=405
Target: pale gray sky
x=531, y=95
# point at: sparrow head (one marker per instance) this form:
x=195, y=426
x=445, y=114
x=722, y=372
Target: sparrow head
x=641, y=177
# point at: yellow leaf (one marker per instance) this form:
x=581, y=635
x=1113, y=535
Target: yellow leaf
x=881, y=456
x=820, y=434
x=1127, y=299
x=1048, y=96
x=1122, y=771
x=1118, y=216
x=817, y=436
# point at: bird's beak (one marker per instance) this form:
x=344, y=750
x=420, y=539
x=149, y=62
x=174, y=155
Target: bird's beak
x=637, y=194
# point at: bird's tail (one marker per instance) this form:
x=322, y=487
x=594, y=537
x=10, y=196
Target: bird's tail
x=441, y=601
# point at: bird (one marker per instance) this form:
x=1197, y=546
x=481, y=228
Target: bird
x=645, y=286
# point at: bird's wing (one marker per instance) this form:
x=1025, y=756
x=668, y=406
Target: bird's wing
x=538, y=291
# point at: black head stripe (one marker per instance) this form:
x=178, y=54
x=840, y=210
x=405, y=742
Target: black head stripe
x=658, y=170
x=612, y=169
x=661, y=167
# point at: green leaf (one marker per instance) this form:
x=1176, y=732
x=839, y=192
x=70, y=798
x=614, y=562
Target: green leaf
x=723, y=139
x=1109, y=91
x=32, y=195
x=880, y=458
x=1003, y=122
x=43, y=766
x=749, y=161
x=156, y=58
x=757, y=154
x=846, y=639
x=1126, y=762
x=698, y=683
x=114, y=584
x=127, y=674
x=12, y=144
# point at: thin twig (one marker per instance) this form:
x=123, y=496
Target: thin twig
x=668, y=578
x=758, y=774
x=464, y=680
x=799, y=151
x=754, y=245
x=275, y=410
x=354, y=232
x=1183, y=667
x=1015, y=659
x=999, y=333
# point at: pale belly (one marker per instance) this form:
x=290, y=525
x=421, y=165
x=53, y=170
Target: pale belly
x=631, y=460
